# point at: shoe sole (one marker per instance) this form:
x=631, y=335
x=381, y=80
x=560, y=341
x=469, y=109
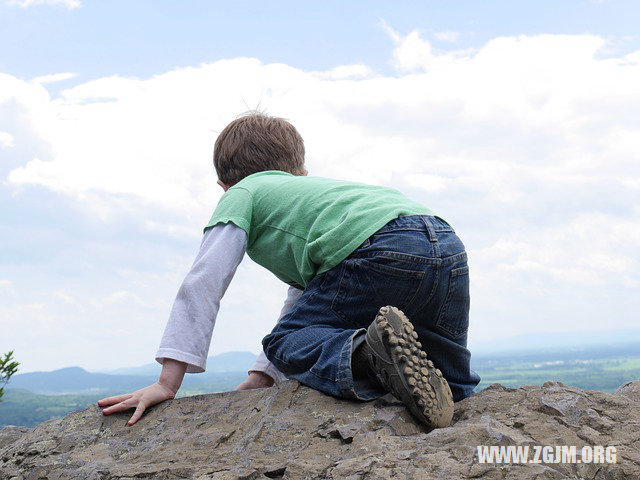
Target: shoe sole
x=402, y=367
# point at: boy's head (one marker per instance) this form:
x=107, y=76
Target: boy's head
x=255, y=143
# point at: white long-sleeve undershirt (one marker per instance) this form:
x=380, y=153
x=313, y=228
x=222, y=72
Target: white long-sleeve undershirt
x=187, y=335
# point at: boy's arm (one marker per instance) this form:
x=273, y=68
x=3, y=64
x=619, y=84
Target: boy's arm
x=187, y=336
x=264, y=373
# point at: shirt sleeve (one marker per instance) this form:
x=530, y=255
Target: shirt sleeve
x=262, y=364
x=235, y=206
x=187, y=335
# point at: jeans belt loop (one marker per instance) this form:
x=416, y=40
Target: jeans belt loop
x=431, y=234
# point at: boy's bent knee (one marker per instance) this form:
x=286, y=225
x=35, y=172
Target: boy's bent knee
x=271, y=345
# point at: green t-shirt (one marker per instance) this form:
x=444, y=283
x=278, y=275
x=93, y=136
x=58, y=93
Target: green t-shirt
x=299, y=227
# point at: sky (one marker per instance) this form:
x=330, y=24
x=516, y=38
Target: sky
x=518, y=122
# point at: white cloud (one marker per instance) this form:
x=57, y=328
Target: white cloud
x=414, y=53
x=7, y=292
x=527, y=145
x=346, y=72
x=447, y=36
x=34, y=102
x=124, y=297
x=428, y=183
x=6, y=140
x=572, y=255
x=54, y=77
x=70, y=4
x=520, y=114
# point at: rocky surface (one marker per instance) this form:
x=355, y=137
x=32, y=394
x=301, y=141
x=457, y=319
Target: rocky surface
x=293, y=432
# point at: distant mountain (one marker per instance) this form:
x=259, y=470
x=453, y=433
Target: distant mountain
x=77, y=381
x=228, y=368
x=539, y=342
x=223, y=362
x=33, y=397
x=24, y=407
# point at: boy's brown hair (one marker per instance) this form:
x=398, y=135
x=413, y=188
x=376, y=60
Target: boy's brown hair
x=254, y=143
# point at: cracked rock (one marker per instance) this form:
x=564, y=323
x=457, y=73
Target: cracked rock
x=293, y=432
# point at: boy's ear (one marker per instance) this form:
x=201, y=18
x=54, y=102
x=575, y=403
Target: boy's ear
x=224, y=186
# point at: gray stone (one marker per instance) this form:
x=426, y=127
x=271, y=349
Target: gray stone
x=630, y=390
x=10, y=434
x=293, y=432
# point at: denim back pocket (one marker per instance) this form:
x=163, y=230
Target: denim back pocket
x=368, y=284
x=453, y=318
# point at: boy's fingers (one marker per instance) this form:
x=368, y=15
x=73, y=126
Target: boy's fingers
x=114, y=400
x=120, y=407
x=137, y=414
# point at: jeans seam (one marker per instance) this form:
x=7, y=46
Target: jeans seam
x=307, y=371
x=284, y=362
x=452, y=284
x=434, y=288
x=409, y=301
x=345, y=381
x=416, y=259
x=392, y=270
x=343, y=371
x=333, y=300
x=462, y=256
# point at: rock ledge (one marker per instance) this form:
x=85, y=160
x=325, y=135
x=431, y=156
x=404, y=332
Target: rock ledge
x=293, y=432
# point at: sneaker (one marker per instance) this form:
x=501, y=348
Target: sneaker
x=401, y=367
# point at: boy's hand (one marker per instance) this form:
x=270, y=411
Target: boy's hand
x=140, y=400
x=256, y=380
x=164, y=389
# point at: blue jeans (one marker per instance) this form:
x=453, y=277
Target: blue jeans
x=416, y=263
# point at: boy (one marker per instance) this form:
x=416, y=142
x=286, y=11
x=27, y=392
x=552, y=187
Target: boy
x=348, y=251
